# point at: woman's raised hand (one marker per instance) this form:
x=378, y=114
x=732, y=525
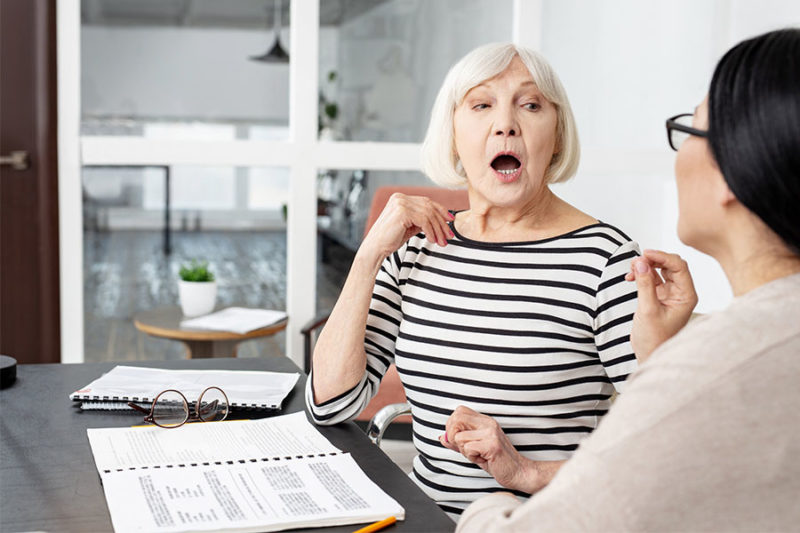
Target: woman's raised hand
x=665, y=301
x=480, y=439
x=403, y=217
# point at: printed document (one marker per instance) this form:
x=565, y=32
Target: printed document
x=255, y=475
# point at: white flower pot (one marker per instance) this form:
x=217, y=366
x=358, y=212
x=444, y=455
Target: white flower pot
x=197, y=297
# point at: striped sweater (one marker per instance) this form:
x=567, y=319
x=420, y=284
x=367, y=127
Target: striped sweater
x=535, y=334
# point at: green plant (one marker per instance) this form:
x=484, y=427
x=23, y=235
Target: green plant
x=328, y=109
x=196, y=271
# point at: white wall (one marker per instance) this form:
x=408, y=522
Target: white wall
x=627, y=66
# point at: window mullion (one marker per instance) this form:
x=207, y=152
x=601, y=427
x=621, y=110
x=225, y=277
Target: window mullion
x=301, y=233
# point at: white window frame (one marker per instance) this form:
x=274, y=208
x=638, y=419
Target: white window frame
x=302, y=153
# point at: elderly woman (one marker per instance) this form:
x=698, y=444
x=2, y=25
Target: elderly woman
x=707, y=435
x=516, y=309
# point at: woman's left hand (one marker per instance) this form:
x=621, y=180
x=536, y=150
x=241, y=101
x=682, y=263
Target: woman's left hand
x=665, y=301
x=480, y=439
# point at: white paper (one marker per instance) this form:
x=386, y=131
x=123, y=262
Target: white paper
x=261, y=496
x=250, y=475
x=244, y=388
x=207, y=442
x=236, y=319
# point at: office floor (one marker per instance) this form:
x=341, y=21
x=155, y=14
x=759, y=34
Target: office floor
x=127, y=271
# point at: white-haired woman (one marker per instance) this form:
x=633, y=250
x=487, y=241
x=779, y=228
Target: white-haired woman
x=513, y=314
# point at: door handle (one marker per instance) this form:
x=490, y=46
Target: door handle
x=18, y=160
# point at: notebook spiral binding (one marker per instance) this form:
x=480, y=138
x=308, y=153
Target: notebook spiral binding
x=136, y=399
x=220, y=463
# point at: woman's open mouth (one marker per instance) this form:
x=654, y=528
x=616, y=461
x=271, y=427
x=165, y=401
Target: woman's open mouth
x=507, y=167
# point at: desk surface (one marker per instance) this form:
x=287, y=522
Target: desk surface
x=48, y=479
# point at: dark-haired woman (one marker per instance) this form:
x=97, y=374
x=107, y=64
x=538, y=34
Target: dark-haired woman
x=707, y=435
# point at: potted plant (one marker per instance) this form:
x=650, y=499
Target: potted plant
x=197, y=289
x=328, y=113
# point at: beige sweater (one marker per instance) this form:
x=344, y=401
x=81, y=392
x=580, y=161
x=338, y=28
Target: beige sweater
x=705, y=438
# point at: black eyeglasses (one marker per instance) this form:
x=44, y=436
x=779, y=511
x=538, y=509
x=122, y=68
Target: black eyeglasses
x=679, y=128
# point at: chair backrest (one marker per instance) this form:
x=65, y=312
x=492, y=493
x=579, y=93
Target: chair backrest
x=451, y=199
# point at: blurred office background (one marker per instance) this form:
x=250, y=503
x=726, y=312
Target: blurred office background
x=177, y=121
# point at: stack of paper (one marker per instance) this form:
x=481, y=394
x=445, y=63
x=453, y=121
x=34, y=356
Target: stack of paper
x=244, y=389
x=236, y=319
x=250, y=475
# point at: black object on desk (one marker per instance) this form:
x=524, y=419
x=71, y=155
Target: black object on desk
x=49, y=479
x=8, y=371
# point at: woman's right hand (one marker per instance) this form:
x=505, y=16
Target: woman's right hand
x=665, y=301
x=403, y=217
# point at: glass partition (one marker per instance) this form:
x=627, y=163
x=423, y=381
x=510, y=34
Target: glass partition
x=180, y=65
x=382, y=62
x=344, y=198
x=232, y=217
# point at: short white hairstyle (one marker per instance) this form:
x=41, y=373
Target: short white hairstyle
x=440, y=161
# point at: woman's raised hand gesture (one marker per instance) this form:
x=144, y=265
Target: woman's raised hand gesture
x=403, y=217
x=481, y=440
x=666, y=298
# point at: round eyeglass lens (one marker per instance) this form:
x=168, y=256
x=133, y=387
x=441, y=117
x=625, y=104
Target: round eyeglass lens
x=212, y=405
x=170, y=409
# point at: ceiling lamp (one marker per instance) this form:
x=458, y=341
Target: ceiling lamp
x=276, y=54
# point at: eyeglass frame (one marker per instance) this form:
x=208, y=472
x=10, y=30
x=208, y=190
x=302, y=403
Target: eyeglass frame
x=150, y=419
x=673, y=124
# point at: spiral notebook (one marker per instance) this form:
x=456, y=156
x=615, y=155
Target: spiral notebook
x=245, y=389
x=250, y=475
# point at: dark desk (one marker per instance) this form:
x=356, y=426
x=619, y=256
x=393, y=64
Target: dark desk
x=48, y=479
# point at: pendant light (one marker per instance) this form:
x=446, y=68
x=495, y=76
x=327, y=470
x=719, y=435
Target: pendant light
x=276, y=54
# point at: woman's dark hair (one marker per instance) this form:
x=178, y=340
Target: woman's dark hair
x=754, y=128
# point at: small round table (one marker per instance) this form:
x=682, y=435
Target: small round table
x=165, y=322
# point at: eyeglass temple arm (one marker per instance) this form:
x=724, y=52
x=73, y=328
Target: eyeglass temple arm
x=138, y=408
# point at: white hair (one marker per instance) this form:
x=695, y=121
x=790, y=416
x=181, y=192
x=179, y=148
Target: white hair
x=440, y=161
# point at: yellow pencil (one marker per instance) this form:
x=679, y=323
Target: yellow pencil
x=377, y=525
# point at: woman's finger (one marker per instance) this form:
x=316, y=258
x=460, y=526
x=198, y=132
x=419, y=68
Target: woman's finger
x=440, y=217
x=435, y=224
x=645, y=276
x=473, y=451
x=676, y=271
x=669, y=263
x=443, y=219
x=447, y=443
x=470, y=435
x=431, y=220
x=456, y=422
x=471, y=419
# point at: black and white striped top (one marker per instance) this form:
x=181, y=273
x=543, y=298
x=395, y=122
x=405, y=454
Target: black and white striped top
x=535, y=334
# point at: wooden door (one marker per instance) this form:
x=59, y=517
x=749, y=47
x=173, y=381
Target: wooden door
x=29, y=283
